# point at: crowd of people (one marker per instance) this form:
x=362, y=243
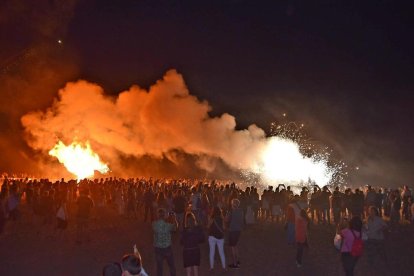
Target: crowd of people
x=211, y=212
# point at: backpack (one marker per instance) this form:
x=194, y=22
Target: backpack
x=357, y=246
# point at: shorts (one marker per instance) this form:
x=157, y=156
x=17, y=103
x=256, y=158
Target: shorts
x=234, y=237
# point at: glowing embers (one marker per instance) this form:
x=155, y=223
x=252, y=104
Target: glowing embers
x=282, y=162
x=79, y=159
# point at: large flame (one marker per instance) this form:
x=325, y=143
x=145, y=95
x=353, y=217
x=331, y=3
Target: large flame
x=79, y=159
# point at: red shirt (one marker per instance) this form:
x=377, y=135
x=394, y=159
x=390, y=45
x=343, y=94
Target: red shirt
x=300, y=229
x=290, y=215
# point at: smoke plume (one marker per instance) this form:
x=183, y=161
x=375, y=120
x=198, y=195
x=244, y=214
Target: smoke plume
x=161, y=122
x=139, y=122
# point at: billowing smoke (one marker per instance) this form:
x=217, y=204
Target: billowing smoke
x=140, y=122
x=159, y=121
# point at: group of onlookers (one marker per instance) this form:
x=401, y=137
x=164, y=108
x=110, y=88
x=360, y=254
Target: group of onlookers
x=207, y=212
x=357, y=237
x=192, y=234
x=359, y=218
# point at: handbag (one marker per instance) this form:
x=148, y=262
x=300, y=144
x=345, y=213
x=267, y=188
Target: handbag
x=61, y=213
x=338, y=241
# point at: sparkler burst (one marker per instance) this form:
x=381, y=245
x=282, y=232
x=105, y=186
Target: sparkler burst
x=282, y=162
x=291, y=157
x=79, y=159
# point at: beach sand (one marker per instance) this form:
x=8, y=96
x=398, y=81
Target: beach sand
x=263, y=251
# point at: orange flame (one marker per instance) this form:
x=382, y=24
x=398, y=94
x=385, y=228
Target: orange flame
x=79, y=159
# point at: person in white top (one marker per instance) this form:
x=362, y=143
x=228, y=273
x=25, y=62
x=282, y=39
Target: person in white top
x=375, y=227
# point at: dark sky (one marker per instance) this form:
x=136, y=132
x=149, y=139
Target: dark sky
x=345, y=70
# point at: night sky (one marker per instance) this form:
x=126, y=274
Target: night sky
x=344, y=70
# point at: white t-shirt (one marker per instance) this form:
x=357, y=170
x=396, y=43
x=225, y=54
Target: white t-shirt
x=375, y=228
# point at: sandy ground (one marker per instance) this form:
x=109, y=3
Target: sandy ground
x=263, y=251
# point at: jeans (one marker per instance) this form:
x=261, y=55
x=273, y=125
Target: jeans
x=299, y=251
x=326, y=215
x=291, y=233
x=348, y=262
x=336, y=214
x=212, y=241
x=160, y=255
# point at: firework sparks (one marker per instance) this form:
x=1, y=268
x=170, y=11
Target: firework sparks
x=290, y=156
x=283, y=162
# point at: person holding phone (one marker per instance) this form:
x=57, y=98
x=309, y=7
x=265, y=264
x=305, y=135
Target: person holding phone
x=162, y=227
x=216, y=237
